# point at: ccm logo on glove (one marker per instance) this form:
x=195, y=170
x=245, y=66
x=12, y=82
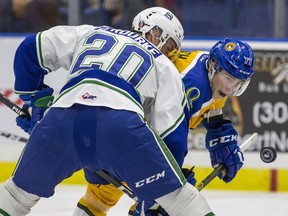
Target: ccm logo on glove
x=223, y=139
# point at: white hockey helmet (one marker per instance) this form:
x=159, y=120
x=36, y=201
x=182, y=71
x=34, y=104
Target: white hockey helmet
x=160, y=17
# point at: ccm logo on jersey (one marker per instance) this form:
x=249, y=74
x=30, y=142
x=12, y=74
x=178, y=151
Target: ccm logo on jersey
x=150, y=179
x=223, y=139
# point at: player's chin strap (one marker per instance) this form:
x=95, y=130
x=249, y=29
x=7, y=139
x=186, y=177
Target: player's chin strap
x=241, y=88
x=212, y=73
x=161, y=43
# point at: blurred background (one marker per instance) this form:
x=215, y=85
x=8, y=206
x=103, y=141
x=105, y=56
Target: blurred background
x=241, y=18
x=263, y=107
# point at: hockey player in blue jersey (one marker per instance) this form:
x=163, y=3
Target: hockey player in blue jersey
x=209, y=79
x=207, y=100
x=116, y=80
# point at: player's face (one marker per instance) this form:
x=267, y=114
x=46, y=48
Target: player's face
x=169, y=48
x=223, y=84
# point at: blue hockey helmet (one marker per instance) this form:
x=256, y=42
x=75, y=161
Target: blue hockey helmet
x=236, y=58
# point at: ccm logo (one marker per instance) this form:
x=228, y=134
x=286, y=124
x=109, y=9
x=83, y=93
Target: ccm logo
x=150, y=179
x=223, y=139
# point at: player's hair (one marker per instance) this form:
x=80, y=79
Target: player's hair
x=236, y=58
x=165, y=20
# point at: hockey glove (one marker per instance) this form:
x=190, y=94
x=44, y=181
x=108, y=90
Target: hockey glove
x=189, y=175
x=35, y=105
x=152, y=209
x=222, y=145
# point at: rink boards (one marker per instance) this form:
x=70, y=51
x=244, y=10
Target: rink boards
x=252, y=179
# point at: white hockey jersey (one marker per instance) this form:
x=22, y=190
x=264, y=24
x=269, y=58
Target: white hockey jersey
x=120, y=53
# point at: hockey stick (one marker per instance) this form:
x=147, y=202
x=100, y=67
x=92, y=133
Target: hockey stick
x=101, y=173
x=12, y=136
x=250, y=141
x=105, y=175
x=14, y=107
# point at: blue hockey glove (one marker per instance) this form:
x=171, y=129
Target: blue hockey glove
x=151, y=209
x=222, y=145
x=36, y=106
x=189, y=175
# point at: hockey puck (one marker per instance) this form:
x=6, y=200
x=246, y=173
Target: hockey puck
x=268, y=154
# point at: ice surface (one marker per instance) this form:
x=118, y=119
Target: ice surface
x=223, y=203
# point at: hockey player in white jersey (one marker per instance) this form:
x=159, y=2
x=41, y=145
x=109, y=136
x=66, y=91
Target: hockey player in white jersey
x=116, y=79
x=207, y=98
x=100, y=196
